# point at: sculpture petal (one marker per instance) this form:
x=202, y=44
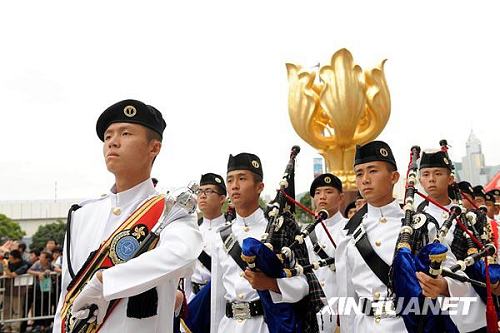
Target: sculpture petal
x=378, y=106
x=304, y=107
x=343, y=96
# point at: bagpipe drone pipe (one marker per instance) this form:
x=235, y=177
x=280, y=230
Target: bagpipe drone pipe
x=280, y=253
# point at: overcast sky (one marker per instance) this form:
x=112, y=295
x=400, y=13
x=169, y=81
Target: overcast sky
x=217, y=72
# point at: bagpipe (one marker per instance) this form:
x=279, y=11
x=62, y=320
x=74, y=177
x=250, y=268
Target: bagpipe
x=414, y=253
x=281, y=252
x=479, y=260
x=138, y=234
x=196, y=317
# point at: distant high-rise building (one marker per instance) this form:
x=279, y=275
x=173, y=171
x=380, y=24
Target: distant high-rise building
x=473, y=168
x=318, y=166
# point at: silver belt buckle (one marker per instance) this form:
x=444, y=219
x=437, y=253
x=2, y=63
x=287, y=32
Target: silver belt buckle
x=229, y=243
x=358, y=233
x=384, y=309
x=241, y=311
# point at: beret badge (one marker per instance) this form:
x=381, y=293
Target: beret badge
x=129, y=111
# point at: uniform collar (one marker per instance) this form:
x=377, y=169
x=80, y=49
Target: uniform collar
x=390, y=210
x=253, y=218
x=336, y=218
x=220, y=220
x=435, y=208
x=134, y=194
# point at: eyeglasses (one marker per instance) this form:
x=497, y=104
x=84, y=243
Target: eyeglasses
x=206, y=192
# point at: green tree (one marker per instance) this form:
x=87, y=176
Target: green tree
x=262, y=204
x=45, y=232
x=300, y=214
x=10, y=229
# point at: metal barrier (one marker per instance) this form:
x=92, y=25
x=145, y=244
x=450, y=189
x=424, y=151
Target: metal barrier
x=27, y=298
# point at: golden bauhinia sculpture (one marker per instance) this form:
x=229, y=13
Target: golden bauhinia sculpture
x=345, y=107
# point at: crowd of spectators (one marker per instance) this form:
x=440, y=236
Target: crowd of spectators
x=35, y=298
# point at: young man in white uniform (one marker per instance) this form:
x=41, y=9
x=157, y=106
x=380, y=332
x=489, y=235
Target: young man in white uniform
x=131, y=132
x=376, y=234
x=211, y=197
x=326, y=191
x=235, y=303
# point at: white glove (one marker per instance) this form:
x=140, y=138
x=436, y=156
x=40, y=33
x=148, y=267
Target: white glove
x=91, y=294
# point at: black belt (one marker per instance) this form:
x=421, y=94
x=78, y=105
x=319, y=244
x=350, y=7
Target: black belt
x=369, y=309
x=366, y=307
x=244, y=310
x=196, y=287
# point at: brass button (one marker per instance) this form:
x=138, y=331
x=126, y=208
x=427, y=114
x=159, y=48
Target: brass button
x=241, y=296
x=322, y=283
x=378, y=243
x=383, y=219
x=117, y=211
x=377, y=320
x=246, y=229
x=323, y=246
x=242, y=274
x=376, y=295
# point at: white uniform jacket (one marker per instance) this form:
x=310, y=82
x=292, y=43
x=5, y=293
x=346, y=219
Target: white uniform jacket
x=179, y=246
x=201, y=274
x=229, y=285
x=335, y=226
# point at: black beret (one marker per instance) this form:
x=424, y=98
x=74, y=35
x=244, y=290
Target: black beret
x=326, y=179
x=213, y=179
x=451, y=192
x=489, y=197
x=434, y=160
x=131, y=111
x=245, y=161
x=479, y=191
x=349, y=207
x=374, y=151
x=466, y=187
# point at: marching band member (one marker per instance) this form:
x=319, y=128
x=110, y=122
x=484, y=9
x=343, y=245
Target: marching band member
x=211, y=197
x=326, y=191
x=131, y=132
x=435, y=178
x=235, y=304
x=364, y=256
